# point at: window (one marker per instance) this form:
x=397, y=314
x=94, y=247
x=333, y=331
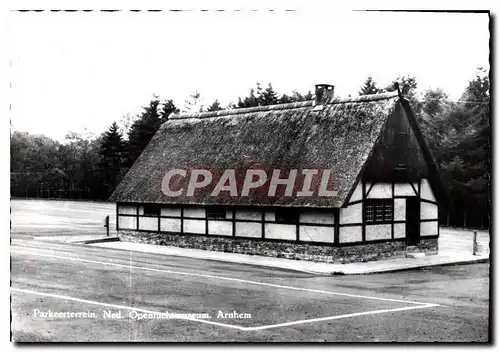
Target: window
x=378, y=210
x=216, y=213
x=151, y=209
x=287, y=216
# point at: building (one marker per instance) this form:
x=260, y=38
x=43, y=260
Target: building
x=383, y=195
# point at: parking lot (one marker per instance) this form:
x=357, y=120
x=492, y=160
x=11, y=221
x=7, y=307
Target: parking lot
x=127, y=296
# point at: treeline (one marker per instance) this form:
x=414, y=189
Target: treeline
x=90, y=167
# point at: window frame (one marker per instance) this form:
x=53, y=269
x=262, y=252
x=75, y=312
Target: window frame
x=372, y=214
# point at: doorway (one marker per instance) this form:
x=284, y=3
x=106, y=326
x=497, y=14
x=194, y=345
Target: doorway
x=412, y=221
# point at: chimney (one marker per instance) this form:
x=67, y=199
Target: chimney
x=323, y=94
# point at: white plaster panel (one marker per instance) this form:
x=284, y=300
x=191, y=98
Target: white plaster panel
x=357, y=194
x=352, y=214
x=150, y=224
x=317, y=217
x=316, y=233
x=380, y=190
x=426, y=191
x=223, y=228
x=194, y=226
x=350, y=234
x=428, y=228
x=249, y=215
x=270, y=216
x=378, y=232
x=127, y=222
x=167, y=211
x=400, y=230
x=229, y=214
x=170, y=225
x=281, y=232
x=248, y=229
x=194, y=213
x=428, y=211
x=404, y=189
x=127, y=209
x=399, y=209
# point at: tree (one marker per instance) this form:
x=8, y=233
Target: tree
x=111, y=152
x=369, y=87
x=34, y=163
x=215, y=106
x=142, y=130
x=267, y=96
x=434, y=102
x=408, y=87
x=249, y=101
x=295, y=97
x=458, y=134
x=168, y=109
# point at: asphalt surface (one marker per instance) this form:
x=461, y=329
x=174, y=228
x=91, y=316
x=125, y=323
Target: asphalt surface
x=442, y=304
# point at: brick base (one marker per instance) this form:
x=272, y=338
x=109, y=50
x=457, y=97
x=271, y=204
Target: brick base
x=279, y=249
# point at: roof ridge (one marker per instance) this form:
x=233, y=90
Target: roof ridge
x=200, y=115
x=364, y=98
x=301, y=104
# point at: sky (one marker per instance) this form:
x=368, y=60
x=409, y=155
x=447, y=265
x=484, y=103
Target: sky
x=82, y=71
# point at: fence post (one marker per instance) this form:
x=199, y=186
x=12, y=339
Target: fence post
x=474, y=243
x=106, y=225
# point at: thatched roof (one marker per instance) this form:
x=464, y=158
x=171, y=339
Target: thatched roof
x=338, y=136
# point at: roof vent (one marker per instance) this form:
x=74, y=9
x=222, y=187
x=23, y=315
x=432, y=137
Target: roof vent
x=323, y=94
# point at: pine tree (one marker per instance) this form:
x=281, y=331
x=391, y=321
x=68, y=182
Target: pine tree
x=168, y=109
x=267, y=96
x=215, y=106
x=111, y=153
x=369, y=87
x=142, y=130
x=249, y=101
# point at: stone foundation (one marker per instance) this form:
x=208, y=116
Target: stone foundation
x=280, y=249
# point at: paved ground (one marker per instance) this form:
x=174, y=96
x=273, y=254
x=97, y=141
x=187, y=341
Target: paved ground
x=61, y=218
x=439, y=304
x=375, y=266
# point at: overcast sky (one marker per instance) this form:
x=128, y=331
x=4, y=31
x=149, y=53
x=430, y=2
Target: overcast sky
x=71, y=71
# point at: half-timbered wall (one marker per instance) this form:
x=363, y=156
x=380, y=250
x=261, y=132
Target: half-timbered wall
x=354, y=228
x=311, y=226
x=346, y=225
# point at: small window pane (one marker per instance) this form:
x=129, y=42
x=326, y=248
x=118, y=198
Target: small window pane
x=151, y=209
x=388, y=212
x=216, y=213
x=369, y=213
x=287, y=216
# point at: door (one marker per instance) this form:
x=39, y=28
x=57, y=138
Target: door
x=412, y=221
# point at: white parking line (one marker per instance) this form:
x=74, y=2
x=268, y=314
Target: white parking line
x=335, y=317
x=242, y=328
x=217, y=277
